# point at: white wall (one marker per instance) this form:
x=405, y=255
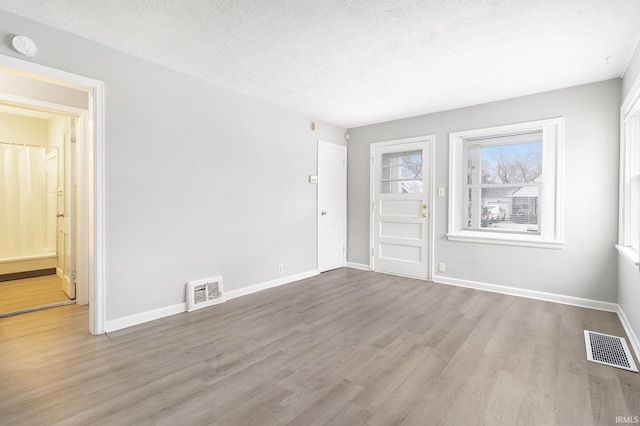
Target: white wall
x=23, y=130
x=586, y=266
x=200, y=181
x=631, y=73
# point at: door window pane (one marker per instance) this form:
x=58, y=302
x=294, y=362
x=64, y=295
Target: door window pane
x=402, y=172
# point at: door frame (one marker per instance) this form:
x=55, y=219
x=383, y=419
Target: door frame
x=430, y=139
x=90, y=155
x=343, y=214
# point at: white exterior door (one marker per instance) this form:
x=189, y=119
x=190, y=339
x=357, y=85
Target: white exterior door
x=332, y=205
x=400, y=208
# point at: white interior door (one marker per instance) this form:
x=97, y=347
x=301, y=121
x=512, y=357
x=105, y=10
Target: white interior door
x=68, y=215
x=51, y=177
x=400, y=208
x=332, y=205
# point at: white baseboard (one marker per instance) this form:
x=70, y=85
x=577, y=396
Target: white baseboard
x=530, y=294
x=270, y=284
x=361, y=266
x=130, y=321
x=635, y=343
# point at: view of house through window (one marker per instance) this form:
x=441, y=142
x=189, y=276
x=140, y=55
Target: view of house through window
x=504, y=181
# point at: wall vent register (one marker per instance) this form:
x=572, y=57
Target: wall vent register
x=203, y=293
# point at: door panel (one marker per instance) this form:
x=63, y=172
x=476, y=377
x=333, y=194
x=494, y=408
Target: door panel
x=405, y=208
x=401, y=252
x=332, y=190
x=400, y=211
x=401, y=230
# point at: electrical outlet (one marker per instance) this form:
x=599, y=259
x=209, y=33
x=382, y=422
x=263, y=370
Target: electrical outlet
x=442, y=267
x=280, y=269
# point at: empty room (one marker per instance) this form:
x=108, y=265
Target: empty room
x=320, y=212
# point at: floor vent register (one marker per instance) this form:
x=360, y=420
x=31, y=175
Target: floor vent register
x=609, y=350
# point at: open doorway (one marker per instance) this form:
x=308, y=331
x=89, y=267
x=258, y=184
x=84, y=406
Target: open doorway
x=37, y=221
x=36, y=87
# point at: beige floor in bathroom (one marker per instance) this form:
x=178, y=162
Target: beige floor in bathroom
x=18, y=295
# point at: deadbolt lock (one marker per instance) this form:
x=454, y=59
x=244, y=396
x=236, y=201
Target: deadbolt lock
x=424, y=206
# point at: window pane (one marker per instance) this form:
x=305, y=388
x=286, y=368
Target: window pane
x=402, y=187
x=504, y=163
x=504, y=209
x=634, y=213
x=398, y=158
x=632, y=230
x=402, y=172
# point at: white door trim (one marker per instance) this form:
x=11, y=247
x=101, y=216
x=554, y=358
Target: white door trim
x=431, y=196
x=342, y=148
x=90, y=192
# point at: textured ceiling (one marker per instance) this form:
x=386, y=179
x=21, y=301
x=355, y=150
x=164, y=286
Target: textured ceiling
x=356, y=62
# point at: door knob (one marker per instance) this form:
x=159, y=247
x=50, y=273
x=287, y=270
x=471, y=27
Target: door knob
x=323, y=213
x=424, y=215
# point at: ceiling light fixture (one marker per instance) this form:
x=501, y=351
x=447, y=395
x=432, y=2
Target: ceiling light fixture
x=24, y=45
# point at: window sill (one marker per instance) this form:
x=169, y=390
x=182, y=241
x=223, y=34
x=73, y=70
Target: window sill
x=629, y=254
x=506, y=240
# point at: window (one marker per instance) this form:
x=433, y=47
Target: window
x=629, y=239
x=402, y=172
x=505, y=184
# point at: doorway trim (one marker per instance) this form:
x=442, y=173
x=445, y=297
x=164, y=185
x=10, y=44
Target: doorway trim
x=91, y=231
x=343, y=213
x=430, y=139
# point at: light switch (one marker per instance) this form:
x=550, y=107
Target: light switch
x=313, y=179
x=440, y=192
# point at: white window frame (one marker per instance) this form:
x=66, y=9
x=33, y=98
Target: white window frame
x=629, y=148
x=550, y=207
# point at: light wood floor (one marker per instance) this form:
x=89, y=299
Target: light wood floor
x=18, y=295
x=345, y=348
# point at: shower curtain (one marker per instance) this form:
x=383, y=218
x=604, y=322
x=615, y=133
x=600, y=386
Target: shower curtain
x=28, y=201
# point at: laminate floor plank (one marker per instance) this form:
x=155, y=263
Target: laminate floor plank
x=538, y=405
x=27, y=293
x=347, y=347
x=631, y=391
